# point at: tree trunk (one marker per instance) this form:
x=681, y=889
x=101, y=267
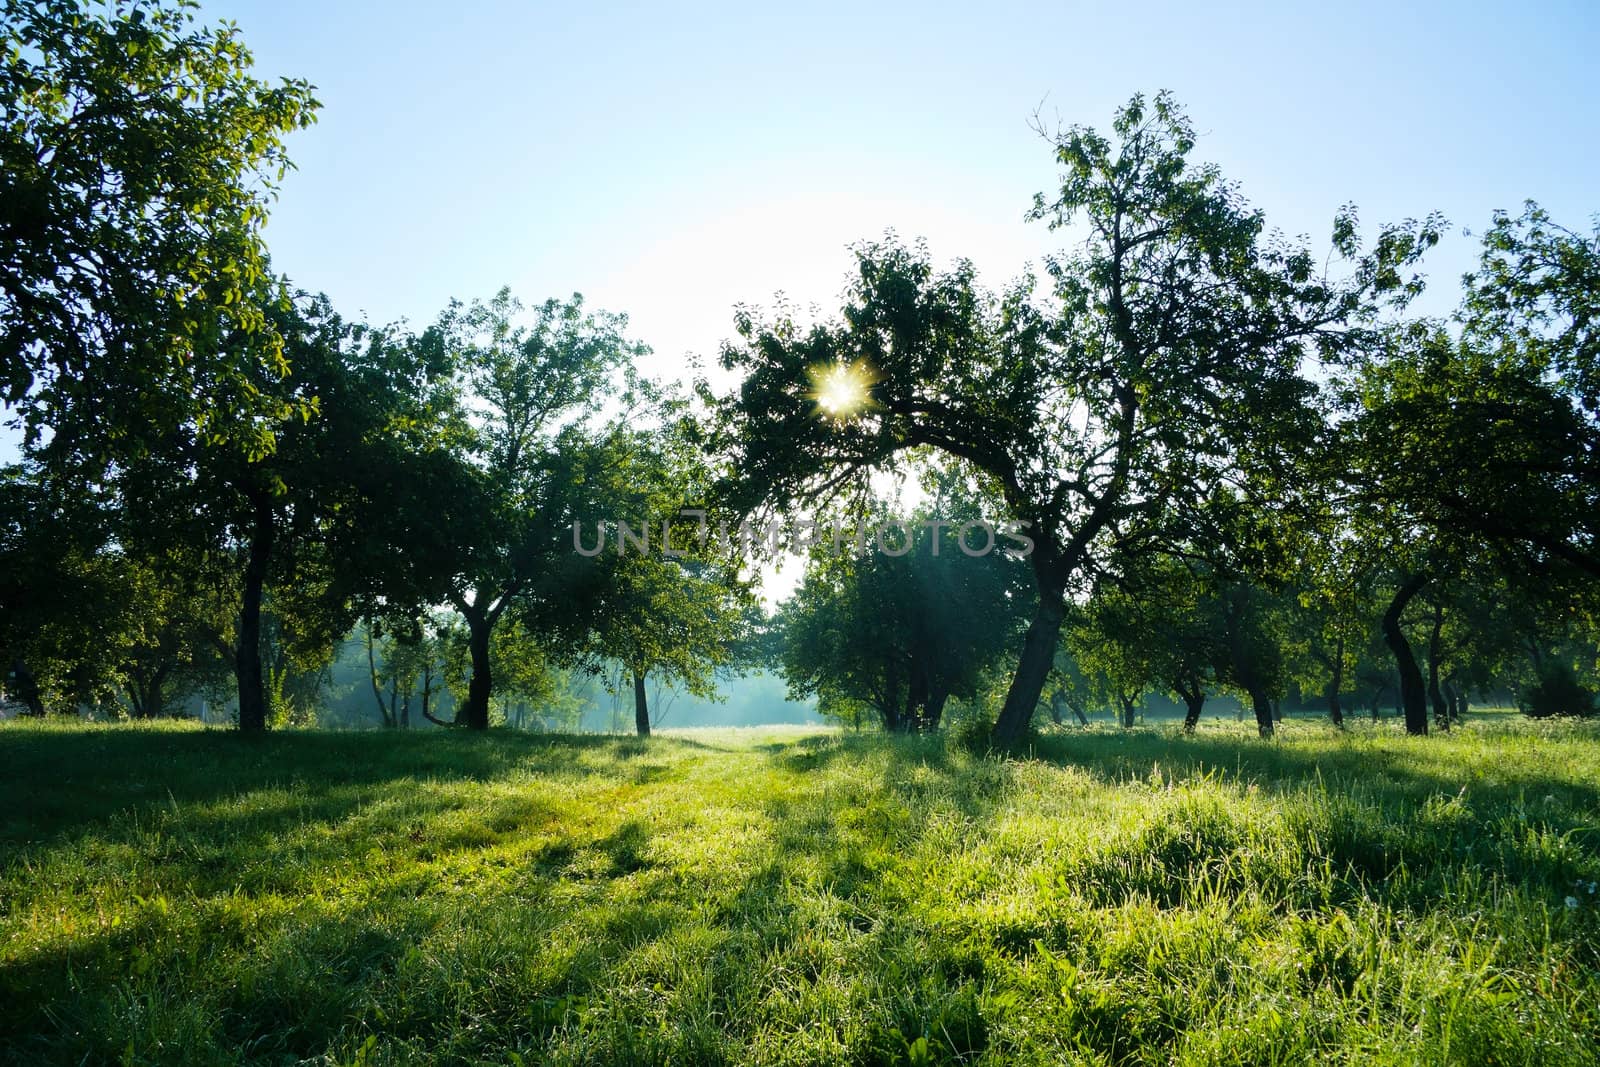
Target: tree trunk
x=1335, y=712
x=1413, y=701
x=1244, y=664
x=641, y=706
x=893, y=720
x=1194, y=701
x=917, y=694
x=1127, y=710
x=147, y=693
x=25, y=687
x=937, y=697
x=475, y=715
x=1033, y=667
x=1441, y=710
x=384, y=710
x=247, y=660
x=427, y=699
x=1261, y=703
x=427, y=694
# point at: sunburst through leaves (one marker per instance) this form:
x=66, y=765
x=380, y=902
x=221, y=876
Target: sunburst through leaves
x=842, y=390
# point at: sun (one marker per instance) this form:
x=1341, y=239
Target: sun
x=841, y=390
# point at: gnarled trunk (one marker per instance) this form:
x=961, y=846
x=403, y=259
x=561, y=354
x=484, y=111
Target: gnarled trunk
x=1245, y=673
x=1413, y=701
x=147, y=692
x=475, y=715
x=385, y=710
x=1261, y=704
x=1441, y=710
x=1033, y=667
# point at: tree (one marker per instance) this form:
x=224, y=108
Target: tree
x=138, y=155
x=1326, y=624
x=1460, y=460
x=664, y=599
x=529, y=398
x=1172, y=357
x=168, y=654
x=899, y=629
x=64, y=604
x=525, y=674
x=1160, y=625
x=1481, y=447
x=291, y=535
x=412, y=658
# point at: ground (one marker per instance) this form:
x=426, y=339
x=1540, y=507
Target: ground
x=171, y=894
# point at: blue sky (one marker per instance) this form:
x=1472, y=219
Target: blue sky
x=672, y=161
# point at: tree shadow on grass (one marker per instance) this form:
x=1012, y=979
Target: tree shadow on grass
x=1401, y=819
x=817, y=897
x=61, y=783
x=1404, y=770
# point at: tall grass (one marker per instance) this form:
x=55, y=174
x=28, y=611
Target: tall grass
x=176, y=895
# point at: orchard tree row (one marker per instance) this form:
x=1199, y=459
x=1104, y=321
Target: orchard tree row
x=1241, y=461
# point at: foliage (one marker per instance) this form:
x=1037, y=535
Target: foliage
x=1559, y=692
x=529, y=395
x=1169, y=365
x=675, y=609
x=898, y=628
x=138, y=155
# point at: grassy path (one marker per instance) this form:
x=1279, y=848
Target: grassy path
x=172, y=895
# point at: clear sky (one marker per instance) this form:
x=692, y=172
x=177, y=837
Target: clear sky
x=670, y=161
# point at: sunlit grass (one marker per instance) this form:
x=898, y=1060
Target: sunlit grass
x=787, y=896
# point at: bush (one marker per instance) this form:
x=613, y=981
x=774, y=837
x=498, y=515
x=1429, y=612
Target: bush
x=971, y=731
x=1558, y=693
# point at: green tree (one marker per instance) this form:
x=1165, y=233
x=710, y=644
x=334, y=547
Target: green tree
x=1160, y=625
x=1172, y=358
x=300, y=525
x=672, y=606
x=532, y=395
x=138, y=155
x=901, y=627
x=1481, y=447
x=64, y=604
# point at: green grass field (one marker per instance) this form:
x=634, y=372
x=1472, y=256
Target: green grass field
x=175, y=895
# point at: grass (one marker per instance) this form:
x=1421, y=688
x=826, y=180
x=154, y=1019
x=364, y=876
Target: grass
x=175, y=895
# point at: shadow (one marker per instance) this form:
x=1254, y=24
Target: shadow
x=61, y=782
x=1408, y=771
x=463, y=910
